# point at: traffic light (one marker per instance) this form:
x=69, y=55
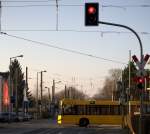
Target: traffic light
x=140, y=82
x=91, y=14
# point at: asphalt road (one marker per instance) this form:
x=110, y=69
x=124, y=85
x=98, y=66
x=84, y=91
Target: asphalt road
x=50, y=127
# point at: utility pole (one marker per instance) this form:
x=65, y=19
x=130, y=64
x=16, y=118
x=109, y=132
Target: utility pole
x=42, y=91
x=53, y=100
x=26, y=89
x=41, y=106
x=49, y=95
x=41, y=87
x=66, y=92
x=53, y=92
x=37, y=96
x=128, y=90
x=57, y=15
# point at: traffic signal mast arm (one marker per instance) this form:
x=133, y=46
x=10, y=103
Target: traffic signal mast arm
x=126, y=27
x=92, y=19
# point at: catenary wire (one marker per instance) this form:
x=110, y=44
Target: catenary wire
x=72, y=30
x=63, y=49
x=69, y=5
x=11, y=1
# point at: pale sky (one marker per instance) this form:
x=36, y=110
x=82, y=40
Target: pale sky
x=38, y=23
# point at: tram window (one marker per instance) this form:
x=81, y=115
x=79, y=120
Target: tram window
x=112, y=110
x=104, y=110
x=115, y=110
x=67, y=109
x=80, y=109
x=91, y=110
x=98, y=110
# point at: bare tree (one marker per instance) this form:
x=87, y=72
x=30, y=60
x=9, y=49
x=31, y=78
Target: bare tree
x=70, y=92
x=109, y=89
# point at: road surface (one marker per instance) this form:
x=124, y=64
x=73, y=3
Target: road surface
x=51, y=127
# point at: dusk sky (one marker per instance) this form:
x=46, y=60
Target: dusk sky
x=39, y=23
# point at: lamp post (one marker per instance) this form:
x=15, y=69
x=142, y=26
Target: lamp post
x=49, y=95
x=53, y=109
x=10, y=82
x=53, y=90
x=37, y=95
x=42, y=88
x=10, y=72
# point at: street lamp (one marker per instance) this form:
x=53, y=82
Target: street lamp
x=42, y=84
x=19, y=56
x=49, y=95
x=42, y=88
x=11, y=90
x=10, y=82
x=53, y=109
x=53, y=90
x=16, y=57
x=37, y=94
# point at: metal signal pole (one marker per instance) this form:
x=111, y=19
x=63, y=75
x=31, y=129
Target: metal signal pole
x=141, y=65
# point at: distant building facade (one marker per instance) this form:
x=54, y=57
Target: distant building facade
x=4, y=92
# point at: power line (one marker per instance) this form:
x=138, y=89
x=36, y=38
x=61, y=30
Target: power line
x=72, y=30
x=67, y=5
x=126, y=6
x=11, y=1
x=63, y=49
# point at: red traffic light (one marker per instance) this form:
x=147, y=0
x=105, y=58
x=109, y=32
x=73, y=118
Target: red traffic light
x=91, y=14
x=140, y=80
x=91, y=10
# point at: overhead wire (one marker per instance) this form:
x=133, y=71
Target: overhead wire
x=23, y=1
x=71, y=5
x=56, y=5
x=61, y=48
x=64, y=49
x=72, y=30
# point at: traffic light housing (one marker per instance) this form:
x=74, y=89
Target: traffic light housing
x=91, y=14
x=140, y=83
